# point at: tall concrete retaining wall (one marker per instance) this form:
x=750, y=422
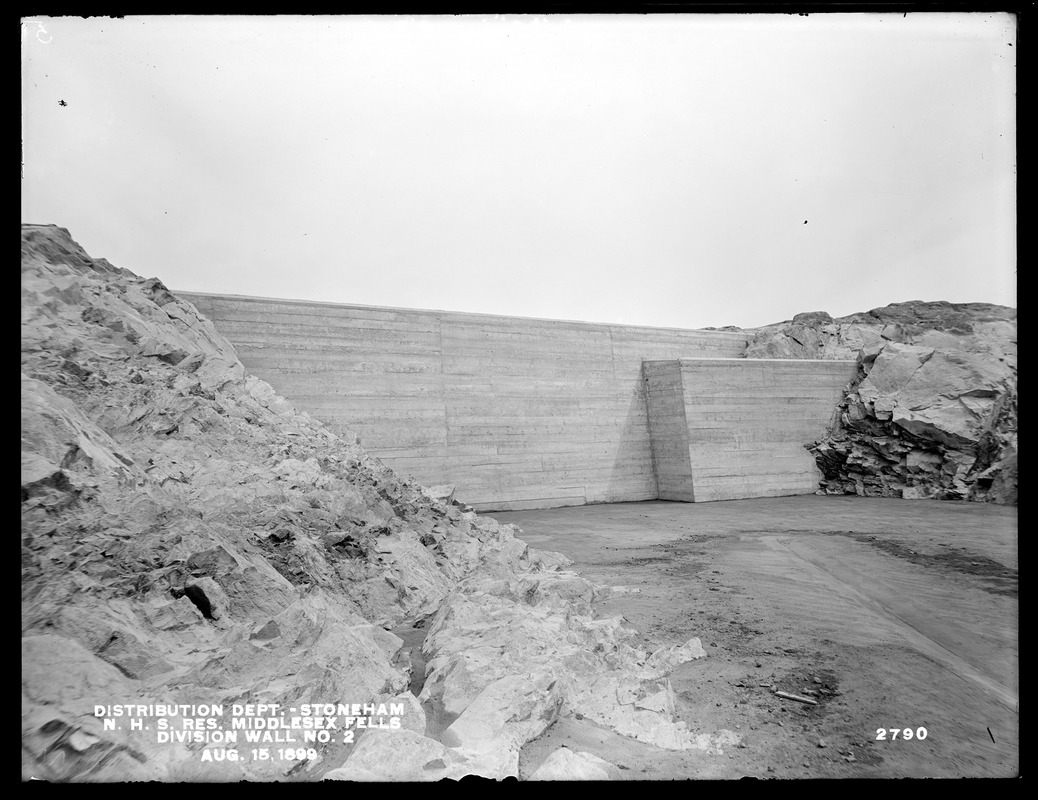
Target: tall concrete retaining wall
x=724, y=429
x=517, y=413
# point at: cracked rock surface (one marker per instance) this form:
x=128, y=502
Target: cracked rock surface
x=932, y=412
x=189, y=537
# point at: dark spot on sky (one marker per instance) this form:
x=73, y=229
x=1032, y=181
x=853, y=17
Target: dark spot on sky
x=62, y=103
x=805, y=221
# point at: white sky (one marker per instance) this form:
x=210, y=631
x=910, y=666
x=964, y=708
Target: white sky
x=649, y=170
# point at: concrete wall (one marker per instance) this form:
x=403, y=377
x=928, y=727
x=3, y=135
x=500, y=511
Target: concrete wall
x=724, y=429
x=517, y=413
x=668, y=430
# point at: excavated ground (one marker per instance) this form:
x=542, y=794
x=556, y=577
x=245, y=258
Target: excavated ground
x=890, y=613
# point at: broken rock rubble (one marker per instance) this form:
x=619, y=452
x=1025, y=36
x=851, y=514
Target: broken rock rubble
x=190, y=537
x=506, y=657
x=932, y=412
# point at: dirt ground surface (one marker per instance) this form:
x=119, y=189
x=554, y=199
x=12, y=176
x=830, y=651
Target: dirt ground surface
x=890, y=614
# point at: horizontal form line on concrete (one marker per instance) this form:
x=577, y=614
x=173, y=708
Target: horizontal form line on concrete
x=319, y=307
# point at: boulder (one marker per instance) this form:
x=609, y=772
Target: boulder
x=513, y=709
x=443, y=493
x=564, y=764
x=185, y=528
x=399, y=755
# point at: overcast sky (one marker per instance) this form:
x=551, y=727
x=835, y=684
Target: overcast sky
x=683, y=171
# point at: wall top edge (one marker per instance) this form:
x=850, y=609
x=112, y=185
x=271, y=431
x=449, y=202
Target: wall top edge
x=739, y=334
x=707, y=359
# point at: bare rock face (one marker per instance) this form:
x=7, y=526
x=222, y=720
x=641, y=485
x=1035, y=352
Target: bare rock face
x=188, y=537
x=185, y=530
x=933, y=411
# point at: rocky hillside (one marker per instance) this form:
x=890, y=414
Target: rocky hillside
x=933, y=409
x=189, y=538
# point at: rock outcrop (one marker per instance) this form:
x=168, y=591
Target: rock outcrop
x=188, y=537
x=933, y=410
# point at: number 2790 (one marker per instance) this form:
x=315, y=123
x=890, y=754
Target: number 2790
x=890, y=734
